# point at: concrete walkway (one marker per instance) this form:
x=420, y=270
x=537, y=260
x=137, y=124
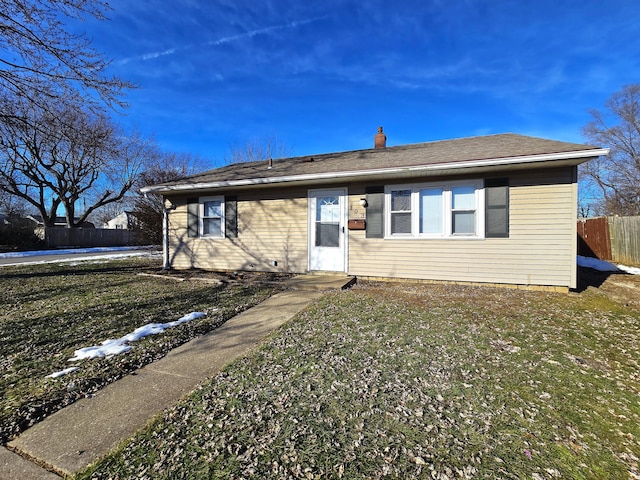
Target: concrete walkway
x=76, y=436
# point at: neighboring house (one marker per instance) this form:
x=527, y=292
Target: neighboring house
x=498, y=209
x=123, y=221
x=59, y=222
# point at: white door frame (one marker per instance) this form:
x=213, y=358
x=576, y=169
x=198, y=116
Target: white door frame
x=320, y=258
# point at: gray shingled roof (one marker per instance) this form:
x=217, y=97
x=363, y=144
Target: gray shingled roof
x=457, y=151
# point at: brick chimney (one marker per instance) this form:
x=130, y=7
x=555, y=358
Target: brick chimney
x=380, y=139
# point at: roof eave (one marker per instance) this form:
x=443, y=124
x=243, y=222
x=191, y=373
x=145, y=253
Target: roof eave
x=449, y=168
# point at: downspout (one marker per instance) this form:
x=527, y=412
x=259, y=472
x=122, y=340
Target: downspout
x=573, y=273
x=165, y=233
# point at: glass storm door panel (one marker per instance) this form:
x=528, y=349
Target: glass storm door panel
x=326, y=230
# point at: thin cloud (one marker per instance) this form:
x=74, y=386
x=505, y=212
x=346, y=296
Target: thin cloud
x=151, y=56
x=223, y=40
x=260, y=31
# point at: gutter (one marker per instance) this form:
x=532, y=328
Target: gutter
x=460, y=165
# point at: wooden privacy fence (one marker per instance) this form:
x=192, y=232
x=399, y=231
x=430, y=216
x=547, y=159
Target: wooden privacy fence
x=593, y=238
x=625, y=239
x=89, y=237
x=610, y=238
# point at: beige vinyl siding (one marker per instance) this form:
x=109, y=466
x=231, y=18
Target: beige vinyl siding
x=271, y=227
x=540, y=249
x=273, y=223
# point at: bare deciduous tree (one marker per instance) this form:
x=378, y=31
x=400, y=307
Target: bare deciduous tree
x=149, y=209
x=10, y=204
x=64, y=154
x=617, y=175
x=263, y=148
x=112, y=210
x=41, y=59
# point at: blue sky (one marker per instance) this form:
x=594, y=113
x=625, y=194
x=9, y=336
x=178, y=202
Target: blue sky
x=322, y=76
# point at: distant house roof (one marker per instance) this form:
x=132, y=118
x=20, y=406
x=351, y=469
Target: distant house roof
x=446, y=157
x=125, y=219
x=59, y=221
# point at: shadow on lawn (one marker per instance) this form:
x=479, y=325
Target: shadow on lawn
x=77, y=270
x=588, y=277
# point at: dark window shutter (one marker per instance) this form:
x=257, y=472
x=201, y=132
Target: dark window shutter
x=375, y=212
x=231, y=216
x=496, y=204
x=192, y=217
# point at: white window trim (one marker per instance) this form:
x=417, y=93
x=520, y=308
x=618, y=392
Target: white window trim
x=201, y=216
x=446, y=214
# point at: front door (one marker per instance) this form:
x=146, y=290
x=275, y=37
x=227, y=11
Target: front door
x=327, y=237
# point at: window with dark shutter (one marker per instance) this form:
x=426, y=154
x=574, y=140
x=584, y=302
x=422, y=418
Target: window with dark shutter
x=193, y=205
x=496, y=192
x=375, y=212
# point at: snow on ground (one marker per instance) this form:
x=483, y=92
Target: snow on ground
x=631, y=270
x=604, y=266
x=110, y=253
x=114, y=347
x=78, y=260
x=68, y=251
x=120, y=345
x=62, y=372
x=596, y=264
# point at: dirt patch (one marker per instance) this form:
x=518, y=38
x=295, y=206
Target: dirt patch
x=620, y=287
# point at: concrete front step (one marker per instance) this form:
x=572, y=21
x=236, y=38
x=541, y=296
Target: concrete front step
x=320, y=281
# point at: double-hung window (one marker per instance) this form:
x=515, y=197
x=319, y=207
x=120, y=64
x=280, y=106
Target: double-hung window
x=435, y=210
x=401, y=211
x=464, y=210
x=212, y=216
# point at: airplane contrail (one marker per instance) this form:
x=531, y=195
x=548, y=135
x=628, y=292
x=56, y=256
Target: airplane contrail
x=220, y=41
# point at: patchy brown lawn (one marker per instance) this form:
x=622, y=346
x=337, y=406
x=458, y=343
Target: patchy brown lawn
x=48, y=311
x=418, y=381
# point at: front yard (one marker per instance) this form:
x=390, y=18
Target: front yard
x=384, y=380
x=415, y=381
x=48, y=311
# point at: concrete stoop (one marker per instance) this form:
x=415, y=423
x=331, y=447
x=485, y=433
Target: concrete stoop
x=320, y=282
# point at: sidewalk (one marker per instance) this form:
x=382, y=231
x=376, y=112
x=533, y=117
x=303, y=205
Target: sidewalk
x=76, y=436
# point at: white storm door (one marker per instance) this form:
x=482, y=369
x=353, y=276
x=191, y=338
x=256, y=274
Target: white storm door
x=327, y=237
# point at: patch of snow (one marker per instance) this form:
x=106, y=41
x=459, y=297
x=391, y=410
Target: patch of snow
x=62, y=372
x=107, y=348
x=631, y=270
x=78, y=260
x=604, y=266
x=600, y=265
x=121, y=345
x=68, y=251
